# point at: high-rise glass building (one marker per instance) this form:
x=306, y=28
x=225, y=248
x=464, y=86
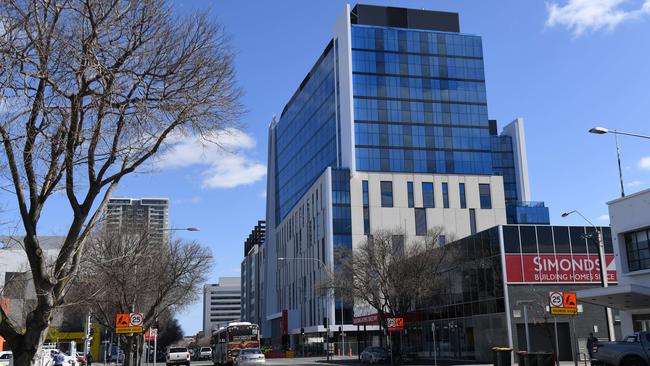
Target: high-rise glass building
x=388, y=130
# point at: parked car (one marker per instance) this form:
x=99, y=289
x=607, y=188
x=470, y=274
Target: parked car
x=178, y=355
x=633, y=351
x=205, y=353
x=5, y=358
x=374, y=355
x=250, y=356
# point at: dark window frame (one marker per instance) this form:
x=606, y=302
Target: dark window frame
x=428, y=201
x=386, y=188
x=485, y=197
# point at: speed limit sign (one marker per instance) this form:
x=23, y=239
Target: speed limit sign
x=136, y=319
x=556, y=300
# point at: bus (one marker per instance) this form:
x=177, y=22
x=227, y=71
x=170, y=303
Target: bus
x=227, y=341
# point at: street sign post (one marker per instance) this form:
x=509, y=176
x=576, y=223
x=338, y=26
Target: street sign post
x=563, y=303
x=395, y=324
x=123, y=330
x=122, y=320
x=136, y=319
x=129, y=323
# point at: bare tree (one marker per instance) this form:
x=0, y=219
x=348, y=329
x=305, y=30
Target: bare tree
x=91, y=90
x=128, y=272
x=390, y=275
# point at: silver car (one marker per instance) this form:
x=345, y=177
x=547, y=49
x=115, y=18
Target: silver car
x=250, y=356
x=374, y=355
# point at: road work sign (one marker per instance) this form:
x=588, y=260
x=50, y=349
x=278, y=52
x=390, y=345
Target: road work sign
x=563, y=303
x=128, y=330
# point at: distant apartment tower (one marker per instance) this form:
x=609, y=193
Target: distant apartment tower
x=252, y=279
x=221, y=303
x=133, y=214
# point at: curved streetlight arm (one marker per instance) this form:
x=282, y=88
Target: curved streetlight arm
x=629, y=134
x=183, y=229
x=581, y=215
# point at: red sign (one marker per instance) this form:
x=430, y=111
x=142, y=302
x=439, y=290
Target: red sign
x=395, y=324
x=570, y=300
x=151, y=334
x=557, y=268
x=366, y=319
x=122, y=321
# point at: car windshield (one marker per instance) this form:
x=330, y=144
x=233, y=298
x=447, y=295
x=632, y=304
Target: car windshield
x=177, y=350
x=205, y=349
x=249, y=352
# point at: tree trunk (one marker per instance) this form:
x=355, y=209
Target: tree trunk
x=396, y=347
x=26, y=346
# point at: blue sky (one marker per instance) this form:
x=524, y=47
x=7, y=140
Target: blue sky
x=564, y=66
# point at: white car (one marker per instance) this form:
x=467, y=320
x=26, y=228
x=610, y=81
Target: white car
x=250, y=356
x=205, y=353
x=178, y=355
x=5, y=358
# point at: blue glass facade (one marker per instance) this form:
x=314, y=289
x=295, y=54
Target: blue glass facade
x=305, y=141
x=517, y=211
x=419, y=101
x=420, y=106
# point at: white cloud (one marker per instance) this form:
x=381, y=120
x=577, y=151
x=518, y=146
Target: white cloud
x=223, y=156
x=263, y=194
x=581, y=16
x=604, y=218
x=644, y=163
x=634, y=183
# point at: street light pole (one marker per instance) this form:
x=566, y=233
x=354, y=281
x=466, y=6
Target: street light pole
x=604, y=280
x=327, y=305
x=602, y=131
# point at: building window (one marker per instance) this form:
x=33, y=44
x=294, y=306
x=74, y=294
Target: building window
x=445, y=195
x=366, y=209
x=386, y=194
x=485, y=197
x=472, y=221
x=366, y=220
x=364, y=186
x=461, y=189
x=427, y=195
x=638, y=252
x=420, y=222
x=409, y=191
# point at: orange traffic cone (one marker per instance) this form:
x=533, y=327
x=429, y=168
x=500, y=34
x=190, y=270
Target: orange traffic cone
x=350, y=351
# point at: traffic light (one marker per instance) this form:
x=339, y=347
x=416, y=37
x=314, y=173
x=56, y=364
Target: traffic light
x=325, y=322
x=302, y=331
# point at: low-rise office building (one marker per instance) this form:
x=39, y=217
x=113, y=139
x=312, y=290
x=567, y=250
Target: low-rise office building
x=630, y=222
x=221, y=303
x=485, y=282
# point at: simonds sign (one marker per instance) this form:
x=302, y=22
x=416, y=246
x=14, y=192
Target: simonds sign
x=557, y=268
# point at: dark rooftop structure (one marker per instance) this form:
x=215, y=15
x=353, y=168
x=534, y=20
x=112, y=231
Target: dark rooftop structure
x=256, y=237
x=388, y=16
